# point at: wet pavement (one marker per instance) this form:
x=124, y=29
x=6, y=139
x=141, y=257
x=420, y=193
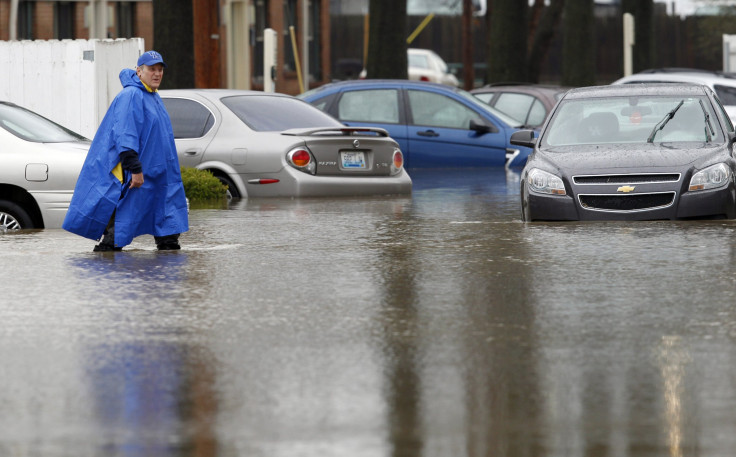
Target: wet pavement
x=433, y=325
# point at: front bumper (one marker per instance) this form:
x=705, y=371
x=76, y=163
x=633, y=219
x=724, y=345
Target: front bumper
x=716, y=204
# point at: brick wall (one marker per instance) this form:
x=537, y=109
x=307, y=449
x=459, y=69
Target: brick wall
x=43, y=23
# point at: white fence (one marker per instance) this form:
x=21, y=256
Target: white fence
x=71, y=82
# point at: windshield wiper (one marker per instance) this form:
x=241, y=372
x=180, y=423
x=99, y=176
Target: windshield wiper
x=709, y=132
x=660, y=125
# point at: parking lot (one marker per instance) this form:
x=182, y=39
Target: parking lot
x=431, y=325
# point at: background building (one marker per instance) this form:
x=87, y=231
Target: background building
x=227, y=34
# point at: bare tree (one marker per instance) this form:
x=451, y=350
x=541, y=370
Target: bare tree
x=507, y=38
x=387, y=39
x=173, y=37
x=578, y=43
x=542, y=33
x=643, y=12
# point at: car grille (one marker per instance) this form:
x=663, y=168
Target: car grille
x=627, y=179
x=638, y=202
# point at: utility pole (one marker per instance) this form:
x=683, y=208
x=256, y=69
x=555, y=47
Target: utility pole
x=468, y=67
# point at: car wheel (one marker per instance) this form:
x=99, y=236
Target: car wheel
x=232, y=191
x=13, y=217
x=524, y=204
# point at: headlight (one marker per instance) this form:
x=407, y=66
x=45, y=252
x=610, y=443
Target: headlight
x=545, y=183
x=711, y=178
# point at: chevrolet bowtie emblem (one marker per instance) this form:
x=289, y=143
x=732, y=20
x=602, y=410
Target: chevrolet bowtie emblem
x=626, y=189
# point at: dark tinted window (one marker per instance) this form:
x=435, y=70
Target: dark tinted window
x=267, y=113
x=189, y=119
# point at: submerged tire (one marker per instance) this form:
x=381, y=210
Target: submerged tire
x=232, y=191
x=13, y=217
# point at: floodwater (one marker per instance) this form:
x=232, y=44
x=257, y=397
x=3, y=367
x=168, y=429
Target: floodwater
x=426, y=326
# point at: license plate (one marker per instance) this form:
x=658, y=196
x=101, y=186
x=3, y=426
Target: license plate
x=353, y=159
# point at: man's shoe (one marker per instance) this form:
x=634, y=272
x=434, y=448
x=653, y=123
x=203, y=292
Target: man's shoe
x=102, y=247
x=169, y=247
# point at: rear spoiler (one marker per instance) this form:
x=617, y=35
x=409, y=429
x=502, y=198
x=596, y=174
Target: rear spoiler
x=347, y=131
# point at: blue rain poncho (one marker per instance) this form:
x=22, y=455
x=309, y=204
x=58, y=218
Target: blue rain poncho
x=136, y=120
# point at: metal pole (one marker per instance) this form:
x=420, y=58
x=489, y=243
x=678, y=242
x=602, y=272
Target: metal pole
x=468, y=67
x=305, y=42
x=628, y=43
x=13, y=25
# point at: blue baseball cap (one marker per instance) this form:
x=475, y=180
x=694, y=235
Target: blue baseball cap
x=150, y=58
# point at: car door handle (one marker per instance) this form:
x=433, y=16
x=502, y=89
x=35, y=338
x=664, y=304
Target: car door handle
x=428, y=133
x=193, y=151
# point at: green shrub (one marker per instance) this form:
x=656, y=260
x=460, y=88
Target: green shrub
x=202, y=186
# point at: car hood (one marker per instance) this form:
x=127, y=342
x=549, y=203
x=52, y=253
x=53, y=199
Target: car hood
x=657, y=155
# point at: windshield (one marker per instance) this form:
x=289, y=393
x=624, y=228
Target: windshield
x=631, y=120
x=30, y=126
x=268, y=113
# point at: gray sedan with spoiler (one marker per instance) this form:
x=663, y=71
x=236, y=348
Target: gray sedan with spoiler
x=273, y=145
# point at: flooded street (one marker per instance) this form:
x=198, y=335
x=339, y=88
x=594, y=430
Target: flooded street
x=433, y=325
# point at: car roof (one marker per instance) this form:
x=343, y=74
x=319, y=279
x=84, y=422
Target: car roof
x=626, y=90
x=697, y=77
x=382, y=82
x=526, y=87
x=217, y=93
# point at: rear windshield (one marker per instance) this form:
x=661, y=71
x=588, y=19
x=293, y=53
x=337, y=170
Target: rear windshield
x=266, y=113
x=30, y=126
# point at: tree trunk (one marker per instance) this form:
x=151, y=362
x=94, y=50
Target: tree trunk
x=549, y=23
x=387, y=40
x=173, y=36
x=578, y=43
x=507, y=41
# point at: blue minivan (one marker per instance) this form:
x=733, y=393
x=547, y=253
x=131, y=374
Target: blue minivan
x=435, y=125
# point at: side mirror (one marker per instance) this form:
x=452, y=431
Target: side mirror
x=731, y=137
x=480, y=127
x=523, y=138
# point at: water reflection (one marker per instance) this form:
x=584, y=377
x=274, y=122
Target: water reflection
x=151, y=387
x=430, y=325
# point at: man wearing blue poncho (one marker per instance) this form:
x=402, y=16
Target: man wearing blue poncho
x=130, y=183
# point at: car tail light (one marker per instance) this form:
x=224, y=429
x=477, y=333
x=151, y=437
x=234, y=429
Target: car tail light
x=424, y=78
x=398, y=162
x=302, y=160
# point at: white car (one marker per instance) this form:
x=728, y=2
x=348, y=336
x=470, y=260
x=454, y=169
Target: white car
x=722, y=84
x=264, y=144
x=427, y=65
x=39, y=165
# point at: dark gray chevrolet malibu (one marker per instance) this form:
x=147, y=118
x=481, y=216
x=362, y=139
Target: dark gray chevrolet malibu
x=631, y=152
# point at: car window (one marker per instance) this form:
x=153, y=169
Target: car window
x=189, y=118
x=616, y=120
x=436, y=110
x=727, y=94
x=726, y=117
x=515, y=105
x=418, y=60
x=30, y=126
x=271, y=113
x=379, y=105
x=537, y=114
x=486, y=97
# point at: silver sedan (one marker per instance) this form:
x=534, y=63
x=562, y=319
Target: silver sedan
x=274, y=145
x=39, y=165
